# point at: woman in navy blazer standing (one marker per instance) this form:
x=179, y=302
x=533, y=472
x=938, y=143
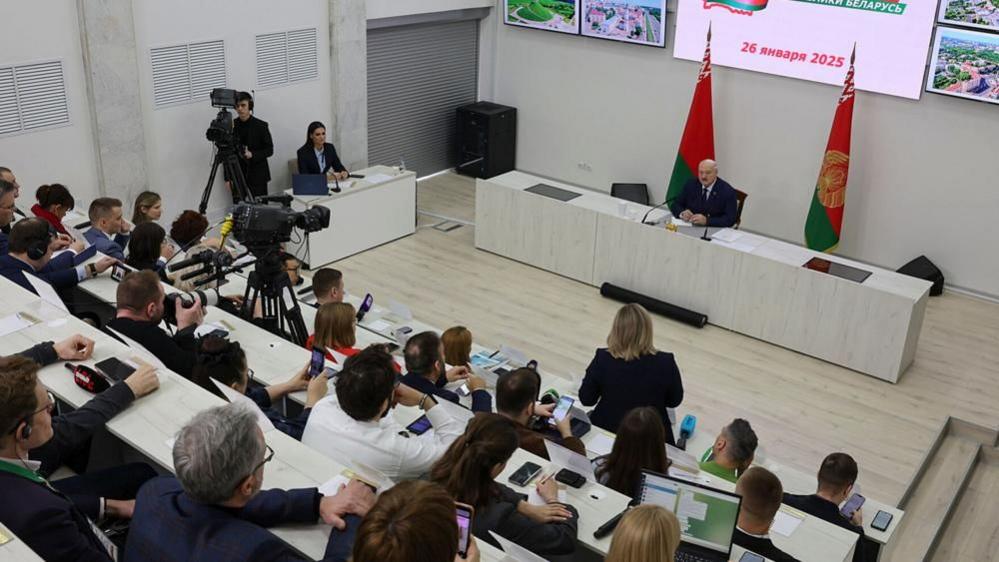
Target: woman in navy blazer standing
x=629, y=373
x=317, y=156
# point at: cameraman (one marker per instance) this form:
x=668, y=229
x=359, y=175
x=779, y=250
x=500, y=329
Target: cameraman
x=140, y=309
x=253, y=139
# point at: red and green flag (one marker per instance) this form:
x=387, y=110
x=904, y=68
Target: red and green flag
x=825, y=215
x=698, y=141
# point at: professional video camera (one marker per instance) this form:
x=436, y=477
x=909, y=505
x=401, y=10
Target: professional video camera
x=261, y=227
x=227, y=150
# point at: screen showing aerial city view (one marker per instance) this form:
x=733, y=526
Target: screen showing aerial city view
x=983, y=14
x=632, y=21
x=550, y=15
x=965, y=64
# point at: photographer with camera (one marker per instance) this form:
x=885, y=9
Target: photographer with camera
x=142, y=305
x=255, y=146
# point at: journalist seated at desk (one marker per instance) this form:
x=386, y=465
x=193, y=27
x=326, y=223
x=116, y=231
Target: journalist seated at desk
x=55, y=519
x=148, y=249
x=640, y=445
x=317, y=156
x=216, y=509
x=426, y=372
x=836, y=478
x=517, y=400
x=631, y=373
x=647, y=532
x=54, y=201
x=761, y=493
x=109, y=231
x=32, y=243
x=327, y=286
x=707, y=199
x=732, y=452
x=355, y=422
x=140, y=309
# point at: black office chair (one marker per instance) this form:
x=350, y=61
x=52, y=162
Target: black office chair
x=634, y=192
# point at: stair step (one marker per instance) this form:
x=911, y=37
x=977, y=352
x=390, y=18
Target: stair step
x=932, y=499
x=972, y=534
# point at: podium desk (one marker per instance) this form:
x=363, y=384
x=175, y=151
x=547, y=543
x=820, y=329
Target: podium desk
x=756, y=285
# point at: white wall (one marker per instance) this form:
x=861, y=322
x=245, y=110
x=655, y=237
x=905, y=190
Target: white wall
x=393, y=8
x=179, y=155
x=923, y=175
x=63, y=154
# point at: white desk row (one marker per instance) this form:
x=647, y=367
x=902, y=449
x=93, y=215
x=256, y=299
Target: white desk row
x=13, y=549
x=755, y=286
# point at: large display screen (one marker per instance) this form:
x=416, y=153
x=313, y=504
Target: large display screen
x=965, y=64
x=550, y=15
x=631, y=21
x=812, y=39
x=983, y=14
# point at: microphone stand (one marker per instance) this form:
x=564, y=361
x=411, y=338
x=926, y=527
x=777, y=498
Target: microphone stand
x=705, y=236
x=663, y=204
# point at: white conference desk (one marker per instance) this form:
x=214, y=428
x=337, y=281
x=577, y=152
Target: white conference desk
x=760, y=290
x=14, y=550
x=363, y=215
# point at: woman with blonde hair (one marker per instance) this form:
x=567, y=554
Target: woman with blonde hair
x=457, y=346
x=630, y=373
x=647, y=532
x=335, y=325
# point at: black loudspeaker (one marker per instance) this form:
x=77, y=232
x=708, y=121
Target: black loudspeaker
x=923, y=268
x=487, y=139
x=668, y=310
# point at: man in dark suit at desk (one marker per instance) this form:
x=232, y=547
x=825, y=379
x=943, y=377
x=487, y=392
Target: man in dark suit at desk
x=254, y=138
x=837, y=476
x=761, y=493
x=32, y=242
x=215, y=509
x=707, y=199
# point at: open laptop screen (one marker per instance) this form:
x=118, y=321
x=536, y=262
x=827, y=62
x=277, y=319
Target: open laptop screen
x=707, y=516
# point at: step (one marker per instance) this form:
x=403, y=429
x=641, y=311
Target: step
x=972, y=534
x=931, y=498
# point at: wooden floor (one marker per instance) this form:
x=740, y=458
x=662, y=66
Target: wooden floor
x=802, y=408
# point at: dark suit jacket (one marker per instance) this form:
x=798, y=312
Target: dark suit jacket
x=829, y=512
x=47, y=521
x=114, y=248
x=256, y=137
x=14, y=269
x=617, y=386
x=309, y=164
x=170, y=526
x=4, y=244
x=177, y=352
x=500, y=516
x=763, y=547
x=721, y=207
x=482, y=401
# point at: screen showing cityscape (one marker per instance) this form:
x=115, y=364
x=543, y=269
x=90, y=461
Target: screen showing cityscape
x=632, y=21
x=983, y=14
x=550, y=15
x=965, y=64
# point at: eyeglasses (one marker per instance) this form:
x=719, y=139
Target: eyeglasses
x=249, y=375
x=50, y=407
x=267, y=458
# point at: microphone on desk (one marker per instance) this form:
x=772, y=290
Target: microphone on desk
x=663, y=204
x=705, y=236
x=336, y=183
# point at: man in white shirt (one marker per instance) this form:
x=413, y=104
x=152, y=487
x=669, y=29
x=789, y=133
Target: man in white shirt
x=354, y=423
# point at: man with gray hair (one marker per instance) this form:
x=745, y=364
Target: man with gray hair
x=732, y=452
x=215, y=510
x=707, y=199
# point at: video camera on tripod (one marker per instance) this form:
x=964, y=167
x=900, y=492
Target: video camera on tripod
x=222, y=134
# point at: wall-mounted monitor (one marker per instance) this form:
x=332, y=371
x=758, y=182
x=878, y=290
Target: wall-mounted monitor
x=632, y=21
x=980, y=14
x=965, y=64
x=549, y=15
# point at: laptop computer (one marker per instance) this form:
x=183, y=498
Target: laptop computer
x=707, y=516
x=309, y=184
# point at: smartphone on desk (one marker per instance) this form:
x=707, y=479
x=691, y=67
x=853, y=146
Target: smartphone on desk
x=115, y=369
x=881, y=520
x=464, y=514
x=561, y=410
x=317, y=362
x=751, y=557
x=525, y=473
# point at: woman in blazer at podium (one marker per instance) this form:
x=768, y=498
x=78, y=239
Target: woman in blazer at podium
x=317, y=156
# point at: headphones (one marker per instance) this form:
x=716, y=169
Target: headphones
x=25, y=432
x=249, y=101
x=38, y=247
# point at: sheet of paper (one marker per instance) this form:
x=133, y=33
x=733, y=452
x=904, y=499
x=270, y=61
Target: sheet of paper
x=4, y=537
x=455, y=411
x=682, y=459
x=785, y=523
x=13, y=323
x=377, y=178
x=344, y=184
x=534, y=498
x=237, y=397
x=332, y=486
x=569, y=459
x=599, y=443
x=727, y=235
x=379, y=325
x=45, y=291
x=515, y=551
x=514, y=355
x=680, y=222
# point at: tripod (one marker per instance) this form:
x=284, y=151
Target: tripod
x=226, y=156
x=269, y=283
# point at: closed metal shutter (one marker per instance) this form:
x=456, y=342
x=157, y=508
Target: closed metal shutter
x=417, y=76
